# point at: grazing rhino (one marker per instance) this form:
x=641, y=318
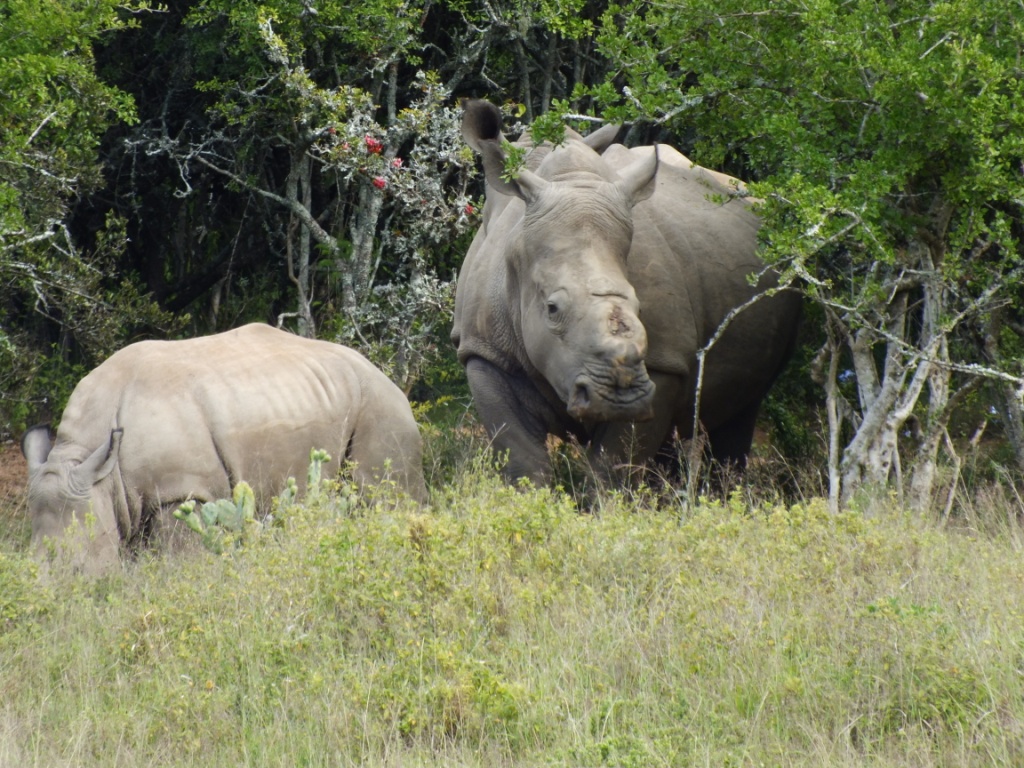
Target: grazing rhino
x=161, y=422
x=595, y=278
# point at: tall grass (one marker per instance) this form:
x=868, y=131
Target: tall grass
x=500, y=627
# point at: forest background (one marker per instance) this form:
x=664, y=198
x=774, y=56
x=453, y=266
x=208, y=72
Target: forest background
x=179, y=169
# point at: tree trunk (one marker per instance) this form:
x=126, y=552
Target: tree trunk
x=1009, y=406
x=933, y=340
x=869, y=458
x=834, y=407
x=298, y=243
x=917, y=356
x=357, y=272
x=550, y=61
x=524, y=78
x=922, y=479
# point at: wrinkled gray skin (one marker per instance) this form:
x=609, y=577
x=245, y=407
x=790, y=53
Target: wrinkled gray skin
x=161, y=422
x=593, y=281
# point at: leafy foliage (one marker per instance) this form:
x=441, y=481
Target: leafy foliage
x=55, y=110
x=885, y=142
x=212, y=137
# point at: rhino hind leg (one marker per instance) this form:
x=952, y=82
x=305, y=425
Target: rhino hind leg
x=386, y=444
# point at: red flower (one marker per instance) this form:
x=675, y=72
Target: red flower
x=470, y=210
x=396, y=163
x=331, y=130
x=379, y=182
x=373, y=146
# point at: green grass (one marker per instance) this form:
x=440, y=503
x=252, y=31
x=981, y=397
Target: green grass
x=501, y=627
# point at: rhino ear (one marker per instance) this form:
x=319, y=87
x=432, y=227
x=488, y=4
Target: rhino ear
x=636, y=181
x=481, y=128
x=481, y=121
x=35, y=446
x=494, y=166
x=603, y=137
x=99, y=463
x=527, y=185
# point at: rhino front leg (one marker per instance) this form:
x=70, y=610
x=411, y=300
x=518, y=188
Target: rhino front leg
x=516, y=417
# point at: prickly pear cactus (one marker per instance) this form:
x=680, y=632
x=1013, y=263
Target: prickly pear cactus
x=317, y=459
x=224, y=521
x=338, y=494
x=290, y=494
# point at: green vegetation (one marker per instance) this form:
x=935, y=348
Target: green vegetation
x=884, y=141
x=502, y=627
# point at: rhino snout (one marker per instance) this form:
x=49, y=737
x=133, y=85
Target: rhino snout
x=627, y=366
x=624, y=396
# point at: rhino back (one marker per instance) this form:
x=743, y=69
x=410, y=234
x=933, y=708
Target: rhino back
x=201, y=414
x=694, y=244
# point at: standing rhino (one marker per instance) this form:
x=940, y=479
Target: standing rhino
x=594, y=280
x=161, y=422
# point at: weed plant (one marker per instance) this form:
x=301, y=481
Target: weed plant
x=501, y=627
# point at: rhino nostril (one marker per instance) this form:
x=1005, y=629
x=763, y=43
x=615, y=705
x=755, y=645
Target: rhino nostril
x=580, y=396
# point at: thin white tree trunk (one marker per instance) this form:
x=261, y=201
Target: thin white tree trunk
x=868, y=459
x=933, y=339
x=835, y=423
x=298, y=246
x=357, y=271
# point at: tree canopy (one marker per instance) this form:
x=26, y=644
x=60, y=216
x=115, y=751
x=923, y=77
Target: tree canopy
x=55, y=110
x=885, y=140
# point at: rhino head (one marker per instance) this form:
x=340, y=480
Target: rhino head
x=68, y=510
x=578, y=312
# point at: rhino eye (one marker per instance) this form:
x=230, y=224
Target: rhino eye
x=554, y=307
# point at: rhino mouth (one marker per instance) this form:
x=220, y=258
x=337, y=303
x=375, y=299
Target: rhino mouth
x=612, y=397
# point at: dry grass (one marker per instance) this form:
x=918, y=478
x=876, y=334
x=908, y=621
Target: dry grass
x=503, y=628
